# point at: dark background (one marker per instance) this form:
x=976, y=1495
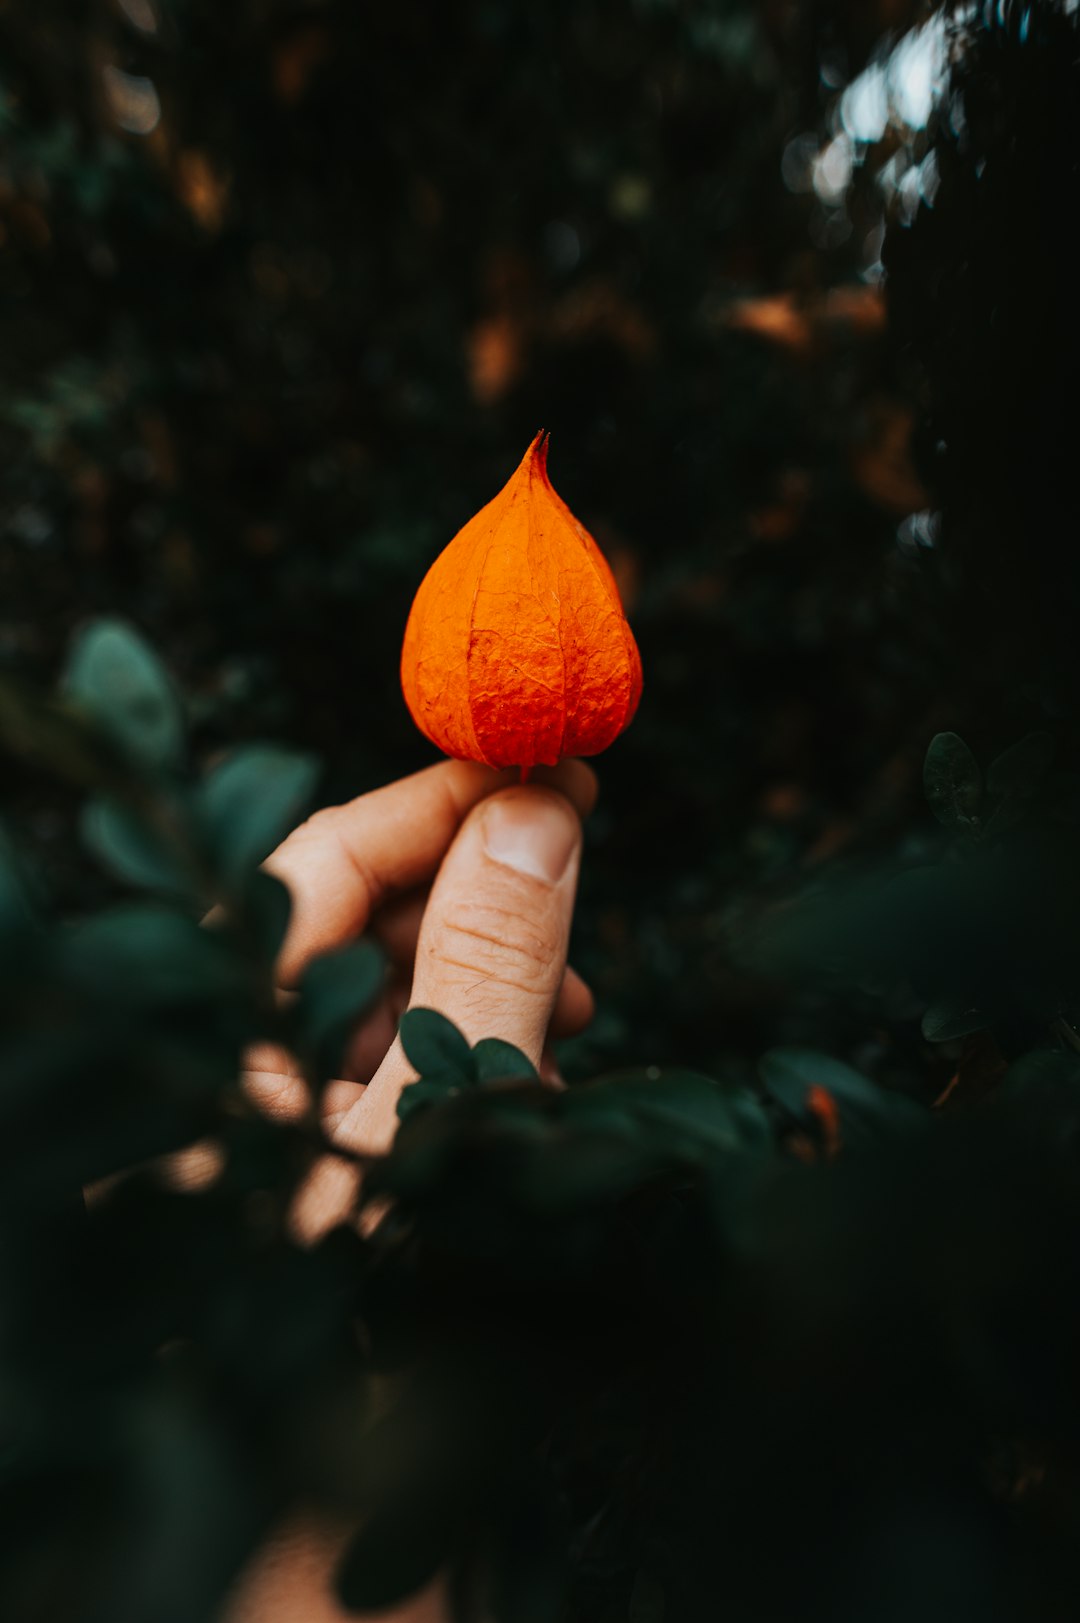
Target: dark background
x=263, y=358
x=285, y=291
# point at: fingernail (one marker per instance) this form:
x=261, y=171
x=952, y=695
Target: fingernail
x=536, y=834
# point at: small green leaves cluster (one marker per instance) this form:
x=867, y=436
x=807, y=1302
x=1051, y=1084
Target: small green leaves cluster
x=157, y=829
x=144, y=976
x=963, y=801
x=445, y=1064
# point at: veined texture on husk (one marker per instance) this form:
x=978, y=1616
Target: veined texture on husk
x=517, y=651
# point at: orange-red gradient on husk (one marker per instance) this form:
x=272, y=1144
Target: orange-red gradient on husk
x=517, y=651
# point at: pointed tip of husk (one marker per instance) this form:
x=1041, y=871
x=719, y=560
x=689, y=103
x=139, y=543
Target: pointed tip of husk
x=535, y=458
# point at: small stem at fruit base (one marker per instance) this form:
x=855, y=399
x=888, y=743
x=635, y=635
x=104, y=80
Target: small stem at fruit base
x=525, y=774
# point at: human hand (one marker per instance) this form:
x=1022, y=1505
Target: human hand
x=468, y=882
x=469, y=885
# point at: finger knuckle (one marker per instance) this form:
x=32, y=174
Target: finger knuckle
x=321, y=825
x=327, y=830
x=498, y=943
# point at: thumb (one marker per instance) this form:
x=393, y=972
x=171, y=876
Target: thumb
x=493, y=943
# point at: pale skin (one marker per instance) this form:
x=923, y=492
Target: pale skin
x=468, y=881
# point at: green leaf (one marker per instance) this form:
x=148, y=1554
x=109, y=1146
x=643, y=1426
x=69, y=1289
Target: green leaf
x=439, y=1052
x=1008, y=813
x=1044, y=1071
x=269, y=908
x=435, y=1048
x=390, y=1559
x=335, y=993
x=683, y=1107
x=418, y=1095
x=952, y=781
x=496, y=1061
x=16, y=911
x=250, y=802
x=133, y=851
x=865, y=1108
x=1044, y=1085
x=1021, y=768
x=950, y=1018
x=150, y=954
x=788, y=1074
x=115, y=676
x=1015, y=778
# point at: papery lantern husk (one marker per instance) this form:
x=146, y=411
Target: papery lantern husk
x=517, y=651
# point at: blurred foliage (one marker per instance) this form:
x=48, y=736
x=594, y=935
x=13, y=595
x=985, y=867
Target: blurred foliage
x=263, y=360
x=285, y=289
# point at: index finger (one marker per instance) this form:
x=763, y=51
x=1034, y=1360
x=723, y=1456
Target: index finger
x=345, y=861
